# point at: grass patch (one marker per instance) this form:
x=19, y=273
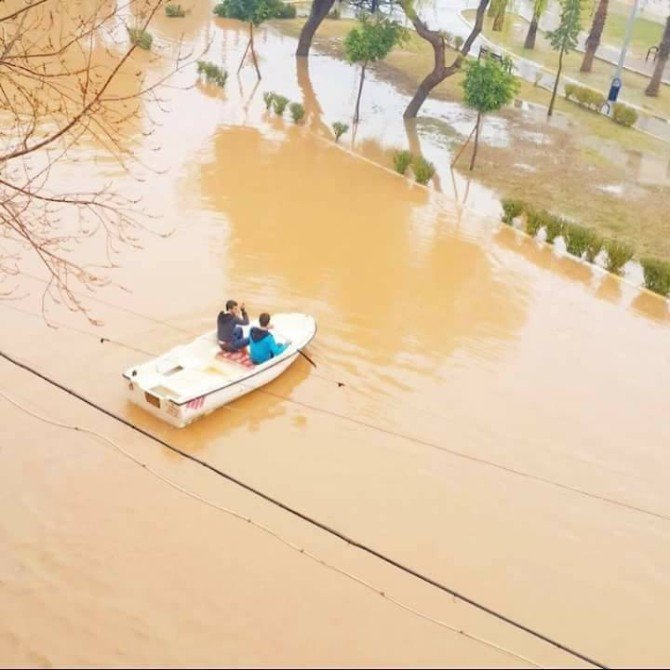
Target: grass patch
x=141, y=38
x=567, y=174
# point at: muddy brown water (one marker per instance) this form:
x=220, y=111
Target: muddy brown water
x=444, y=328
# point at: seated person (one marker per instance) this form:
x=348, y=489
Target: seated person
x=228, y=327
x=263, y=346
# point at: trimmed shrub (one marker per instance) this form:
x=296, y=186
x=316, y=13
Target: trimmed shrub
x=275, y=9
x=569, y=90
x=618, y=254
x=213, y=73
x=174, y=11
x=279, y=103
x=339, y=129
x=141, y=38
x=268, y=97
x=423, y=169
x=402, y=159
x=554, y=227
x=511, y=209
x=458, y=42
x=656, y=275
x=297, y=111
x=593, y=246
x=586, y=97
x=624, y=115
x=536, y=219
x=577, y=239
x=282, y=10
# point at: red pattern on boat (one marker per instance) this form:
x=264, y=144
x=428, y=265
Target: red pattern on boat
x=196, y=403
x=241, y=357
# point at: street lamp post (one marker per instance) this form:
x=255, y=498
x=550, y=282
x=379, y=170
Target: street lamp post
x=616, y=84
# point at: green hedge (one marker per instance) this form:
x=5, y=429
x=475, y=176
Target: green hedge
x=511, y=209
x=584, y=242
x=586, y=97
x=624, y=115
x=656, y=275
x=618, y=254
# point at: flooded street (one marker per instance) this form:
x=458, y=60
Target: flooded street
x=502, y=426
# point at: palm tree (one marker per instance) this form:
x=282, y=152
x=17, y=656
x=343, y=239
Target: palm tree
x=593, y=40
x=539, y=6
x=661, y=60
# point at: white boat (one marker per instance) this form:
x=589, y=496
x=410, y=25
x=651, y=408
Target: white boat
x=194, y=379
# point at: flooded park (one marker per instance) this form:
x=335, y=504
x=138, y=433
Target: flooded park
x=470, y=469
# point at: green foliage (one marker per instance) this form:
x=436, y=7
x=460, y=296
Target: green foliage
x=213, y=73
x=511, y=209
x=458, y=42
x=174, y=11
x=570, y=90
x=564, y=37
x=656, y=275
x=284, y=11
x=584, y=96
x=618, y=254
x=249, y=11
x=577, y=239
x=279, y=103
x=423, y=169
x=593, y=246
x=536, y=219
x=297, y=111
x=402, y=159
x=140, y=38
x=554, y=226
x=339, y=129
x=539, y=7
x=268, y=97
x=373, y=39
x=624, y=115
x=488, y=85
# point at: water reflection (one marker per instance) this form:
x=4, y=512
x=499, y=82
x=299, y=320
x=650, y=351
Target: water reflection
x=386, y=264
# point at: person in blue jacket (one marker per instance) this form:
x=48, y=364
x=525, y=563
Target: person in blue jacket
x=262, y=343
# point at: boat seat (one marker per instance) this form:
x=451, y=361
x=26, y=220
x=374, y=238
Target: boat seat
x=240, y=357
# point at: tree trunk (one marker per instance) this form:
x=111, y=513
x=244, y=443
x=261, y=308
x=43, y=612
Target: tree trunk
x=499, y=20
x=317, y=14
x=532, y=33
x=253, y=51
x=440, y=71
x=360, y=92
x=492, y=9
x=558, y=77
x=593, y=40
x=474, y=150
x=661, y=60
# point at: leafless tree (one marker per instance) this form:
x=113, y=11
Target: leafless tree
x=67, y=81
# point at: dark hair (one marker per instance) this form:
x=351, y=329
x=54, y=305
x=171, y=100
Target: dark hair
x=230, y=304
x=264, y=319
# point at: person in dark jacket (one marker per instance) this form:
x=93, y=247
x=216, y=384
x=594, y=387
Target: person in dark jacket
x=263, y=346
x=229, y=327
